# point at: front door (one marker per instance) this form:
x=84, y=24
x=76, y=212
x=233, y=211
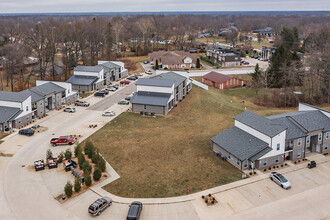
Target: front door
x=318, y=148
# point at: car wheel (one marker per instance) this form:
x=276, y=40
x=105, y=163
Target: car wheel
x=99, y=213
x=54, y=145
x=282, y=186
x=271, y=178
x=70, y=143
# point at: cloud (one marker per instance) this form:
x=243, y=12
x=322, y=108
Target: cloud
x=44, y=6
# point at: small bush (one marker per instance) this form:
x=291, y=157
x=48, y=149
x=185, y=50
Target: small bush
x=68, y=154
x=97, y=174
x=77, y=185
x=282, y=165
x=254, y=172
x=81, y=160
x=77, y=150
x=250, y=173
x=298, y=161
x=68, y=189
x=212, y=202
x=209, y=194
x=269, y=168
x=95, y=158
x=265, y=169
x=273, y=167
x=88, y=180
x=203, y=197
x=101, y=164
x=285, y=164
x=86, y=167
x=49, y=154
x=295, y=162
x=205, y=200
x=60, y=157
x=89, y=149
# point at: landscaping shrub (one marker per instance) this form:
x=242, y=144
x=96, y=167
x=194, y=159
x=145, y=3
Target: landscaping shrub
x=86, y=167
x=68, y=154
x=81, y=159
x=49, y=154
x=77, y=185
x=60, y=157
x=203, y=197
x=95, y=158
x=68, y=189
x=77, y=150
x=88, y=180
x=89, y=149
x=97, y=174
x=101, y=164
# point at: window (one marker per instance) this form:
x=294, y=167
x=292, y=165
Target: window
x=27, y=108
x=58, y=95
x=58, y=103
x=40, y=102
x=326, y=146
x=265, y=162
x=320, y=136
x=237, y=161
x=228, y=155
x=19, y=121
x=278, y=146
x=41, y=111
x=327, y=135
x=68, y=91
x=144, y=107
x=245, y=163
x=45, y=99
x=277, y=159
x=308, y=139
x=69, y=99
x=27, y=117
x=298, y=153
x=299, y=141
x=53, y=96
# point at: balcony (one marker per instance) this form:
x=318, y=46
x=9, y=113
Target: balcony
x=288, y=147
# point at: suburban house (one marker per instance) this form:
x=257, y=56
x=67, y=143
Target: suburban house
x=267, y=31
x=221, y=81
x=173, y=59
x=266, y=53
x=161, y=93
x=90, y=78
x=15, y=110
x=19, y=108
x=260, y=142
x=224, y=57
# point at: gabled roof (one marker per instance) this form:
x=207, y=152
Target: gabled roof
x=155, y=82
x=172, y=57
x=151, y=98
x=241, y=144
x=6, y=113
x=178, y=79
x=109, y=65
x=88, y=68
x=47, y=88
x=293, y=130
x=217, y=77
x=82, y=80
x=34, y=96
x=13, y=96
x=259, y=123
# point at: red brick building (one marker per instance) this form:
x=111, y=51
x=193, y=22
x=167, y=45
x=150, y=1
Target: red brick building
x=221, y=81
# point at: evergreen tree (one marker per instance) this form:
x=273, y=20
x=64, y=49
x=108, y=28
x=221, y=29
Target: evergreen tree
x=88, y=179
x=77, y=185
x=156, y=65
x=97, y=174
x=198, y=63
x=68, y=189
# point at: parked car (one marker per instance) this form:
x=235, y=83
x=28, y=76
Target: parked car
x=100, y=94
x=70, y=109
x=99, y=205
x=81, y=103
x=148, y=72
x=132, y=78
x=134, y=211
x=27, y=132
x=145, y=62
x=311, y=165
x=105, y=91
x=246, y=63
x=68, y=164
x=280, y=180
x=123, y=102
x=111, y=88
x=128, y=98
x=139, y=74
x=152, y=63
x=124, y=82
x=108, y=113
x=63, y=140
x=39, y=165
x=116, y=86
x=52, y=162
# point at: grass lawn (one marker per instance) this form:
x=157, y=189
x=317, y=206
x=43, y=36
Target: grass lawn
x=133, y=63
x=85, y=94
x=162, y=156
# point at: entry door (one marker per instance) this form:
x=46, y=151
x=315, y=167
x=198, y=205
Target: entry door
x=318, y=148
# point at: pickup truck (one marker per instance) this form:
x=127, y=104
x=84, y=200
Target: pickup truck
x=63, y=140
x=52, y=162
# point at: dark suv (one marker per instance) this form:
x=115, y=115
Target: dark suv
x=134, y=211
x=102, y=94
x=28, y=132
x=99, y=206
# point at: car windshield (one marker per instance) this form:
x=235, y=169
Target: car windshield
x=92, y=208
x=282, y=178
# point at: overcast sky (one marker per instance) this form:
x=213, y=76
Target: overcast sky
x=44, y=6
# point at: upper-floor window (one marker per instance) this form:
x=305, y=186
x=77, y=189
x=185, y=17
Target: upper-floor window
x=299, y=141
x=298, y=153
x=326, y=146
x=320, y=136
x=27, y=108
x=237, y=161
x=277, y=159
x=308, y=138
x=40, y=102
x=245, y=163
x=68, y=91
x=278, y=146
x=265, y=162
x=327, y=135
x=228, y=155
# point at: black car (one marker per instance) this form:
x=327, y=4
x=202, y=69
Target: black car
x=128, y=98
x=28, y=132
x=101, y=94
x=311, y=165
x=105, y=91
x=134, y=211
x=69, y=164
x=132, y=78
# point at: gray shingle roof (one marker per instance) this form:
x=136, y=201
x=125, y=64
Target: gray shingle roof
x=286, y=114
x=313, y=120
x=82, y=80
x=155, y=82
x=259, y=123
x=110, y=65
x=240, y=143
x=34, y=96
x=47, y=88
x=293, y=130
x=178, y=79
x=6, y=113
x=151, y=98
x=13, y=96
x=88, y=68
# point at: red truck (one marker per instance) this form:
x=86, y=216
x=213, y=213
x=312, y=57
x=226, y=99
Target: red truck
x=63, y=140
